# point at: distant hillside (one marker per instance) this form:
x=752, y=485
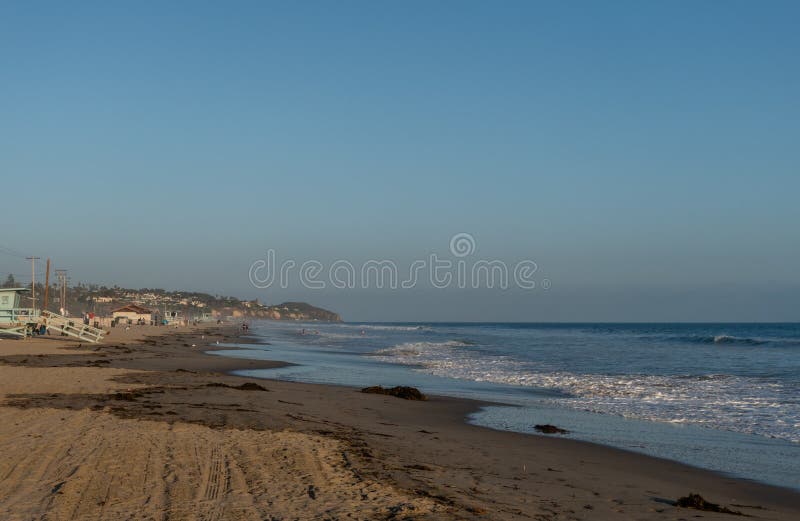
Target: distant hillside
x=101, y=300
x=301, y=311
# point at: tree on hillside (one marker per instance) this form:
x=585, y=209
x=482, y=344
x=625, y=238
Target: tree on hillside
x=10, y=282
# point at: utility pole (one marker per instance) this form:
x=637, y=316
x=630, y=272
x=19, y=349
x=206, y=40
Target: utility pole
x=62, y=289
x=33, y=279
x=46, y=284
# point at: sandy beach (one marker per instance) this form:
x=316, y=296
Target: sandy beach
x=148, y=426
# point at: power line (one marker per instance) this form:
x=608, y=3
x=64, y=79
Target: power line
x=11, y=252
x=8, y=252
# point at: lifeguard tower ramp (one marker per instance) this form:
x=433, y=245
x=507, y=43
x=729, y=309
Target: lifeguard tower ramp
x=72, y=327
x=19, y=321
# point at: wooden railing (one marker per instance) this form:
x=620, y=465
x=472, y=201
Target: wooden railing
x=19, y=316
x=72, y=327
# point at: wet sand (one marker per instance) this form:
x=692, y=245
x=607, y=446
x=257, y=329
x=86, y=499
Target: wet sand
x=148, y=426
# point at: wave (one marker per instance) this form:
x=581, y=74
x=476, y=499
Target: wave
x=398, y=352
x=736, y=340
x=718, y=338
x=385, y=327
x=328, y=335
x=728, y=339
x=760, y=406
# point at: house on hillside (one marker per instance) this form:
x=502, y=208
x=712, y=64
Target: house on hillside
x=132, y=313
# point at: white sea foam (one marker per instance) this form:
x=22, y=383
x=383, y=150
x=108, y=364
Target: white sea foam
x=383, y=327
x=736, y=403
x=407, y=352
x=338, y=336
x=730, y=339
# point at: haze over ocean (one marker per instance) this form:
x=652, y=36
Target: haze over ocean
x=643, y=155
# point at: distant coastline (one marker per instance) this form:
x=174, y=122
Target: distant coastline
x=101, y=300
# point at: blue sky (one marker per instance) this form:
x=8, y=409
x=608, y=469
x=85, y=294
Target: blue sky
x=644, y=155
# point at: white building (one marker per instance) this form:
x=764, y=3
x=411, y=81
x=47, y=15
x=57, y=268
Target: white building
x=133, y=312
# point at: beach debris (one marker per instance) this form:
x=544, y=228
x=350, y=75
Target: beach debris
x=312, y=492
x=756, y=507
x=128, y=396
x=546, y=428
x=417, y=466
x=406, y=393
x=697, y=502
x=250, y=386
x=247, y=386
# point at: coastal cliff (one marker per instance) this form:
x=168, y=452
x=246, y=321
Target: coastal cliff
x=298, y=311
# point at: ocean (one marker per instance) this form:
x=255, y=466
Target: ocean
x=720, y=396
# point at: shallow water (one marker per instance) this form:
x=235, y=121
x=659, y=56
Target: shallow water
x=721, y=396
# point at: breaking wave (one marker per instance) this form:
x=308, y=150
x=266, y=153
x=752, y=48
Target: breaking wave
x=736, y=403
x=728, y=339
x=384, y=327
x=406, y=352
x=744, y=341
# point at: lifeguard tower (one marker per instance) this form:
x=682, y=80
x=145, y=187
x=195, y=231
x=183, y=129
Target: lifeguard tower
x=22, y=322
x=15, y=319
x=172, y=317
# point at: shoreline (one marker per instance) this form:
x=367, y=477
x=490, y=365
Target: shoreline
x=420, y=454
x=473, y=405
x=768, y=463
